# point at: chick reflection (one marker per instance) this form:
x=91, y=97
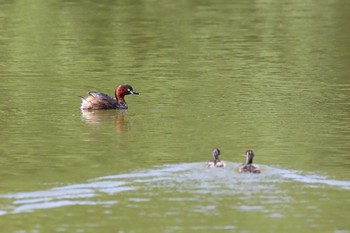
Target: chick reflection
x=100, y=117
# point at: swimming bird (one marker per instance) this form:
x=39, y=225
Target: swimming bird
x=98, y=100
x=248, y=166
x=216, y=162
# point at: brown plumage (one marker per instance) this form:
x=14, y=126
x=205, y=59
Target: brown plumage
x=248, y=166
x=98, y=100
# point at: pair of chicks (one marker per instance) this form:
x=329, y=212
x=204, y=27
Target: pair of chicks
x=248, y=166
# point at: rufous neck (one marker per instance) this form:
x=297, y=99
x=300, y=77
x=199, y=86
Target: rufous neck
x=119, y=95
x=121, y=100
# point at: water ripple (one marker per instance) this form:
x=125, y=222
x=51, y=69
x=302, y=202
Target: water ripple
x=190, y=178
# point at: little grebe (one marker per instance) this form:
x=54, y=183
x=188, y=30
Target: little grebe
x=248, y=166
x=216, y=162
x=98, y=100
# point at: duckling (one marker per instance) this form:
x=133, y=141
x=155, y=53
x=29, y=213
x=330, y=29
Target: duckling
x=216, y=162
x=248, y=166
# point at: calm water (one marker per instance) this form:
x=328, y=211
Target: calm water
x=267, y=75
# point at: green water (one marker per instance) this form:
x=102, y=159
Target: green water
x=263, y=75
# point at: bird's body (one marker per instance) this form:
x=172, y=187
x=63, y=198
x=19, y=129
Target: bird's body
x=216, y=162
x=97, y=100
x=248, y=166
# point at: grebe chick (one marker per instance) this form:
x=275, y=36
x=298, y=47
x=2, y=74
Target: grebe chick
x=216, y=162
x=248, y=166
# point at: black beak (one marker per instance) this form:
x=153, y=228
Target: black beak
x=134, y=92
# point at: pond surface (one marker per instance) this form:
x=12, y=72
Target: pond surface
x=263, y=75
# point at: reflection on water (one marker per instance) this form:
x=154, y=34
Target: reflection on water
x=191, y=179
x=98, y=117
x=270, y=75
